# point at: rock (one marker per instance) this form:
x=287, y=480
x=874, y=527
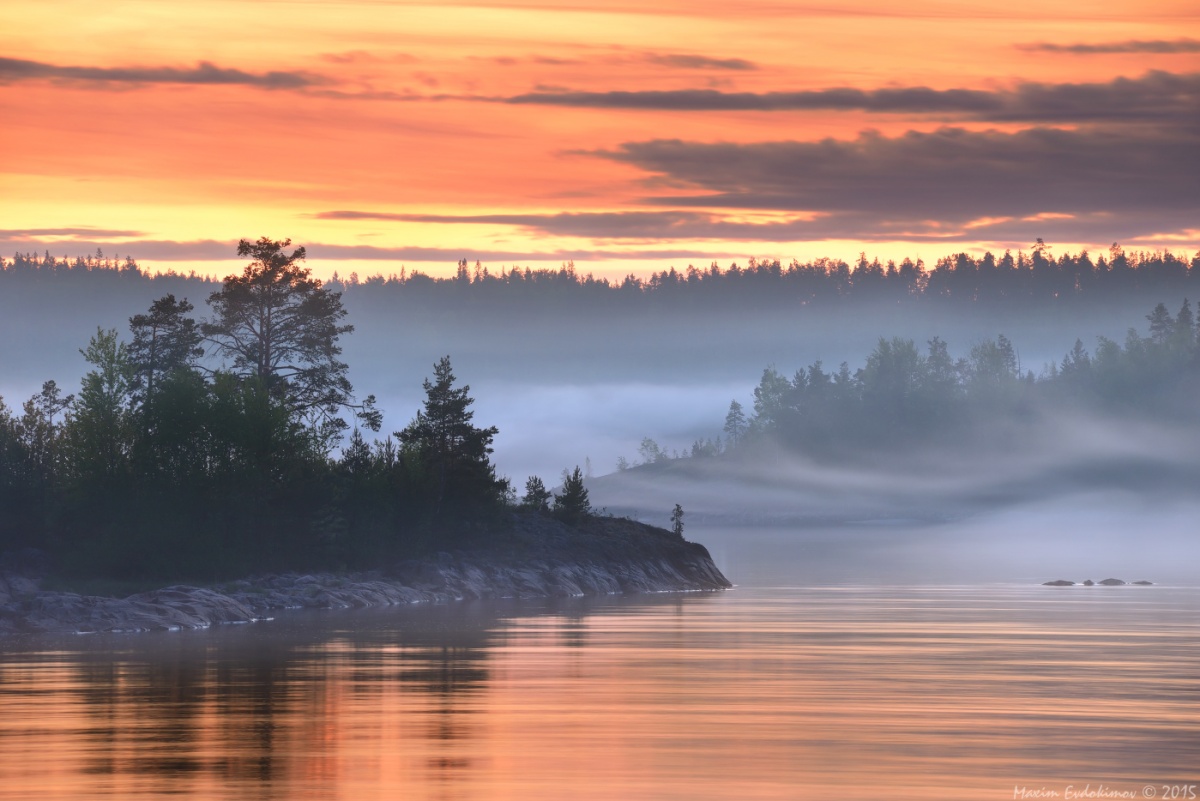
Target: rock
x=1143, y=583
x=539, y=558
x=1058, y=583
x=1112, y=582
x=1089, y=583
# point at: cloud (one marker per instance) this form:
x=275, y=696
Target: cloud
x=1157, y=46
x=367, y=57
x=1129, y=182
x=450, y=255
x=204, y=73
x=65, y=233
x=1156, y=95
x=950, y=173
x=694, y=62
x=637, y=225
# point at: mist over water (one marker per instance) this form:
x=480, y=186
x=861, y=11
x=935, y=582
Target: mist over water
x=564, y=387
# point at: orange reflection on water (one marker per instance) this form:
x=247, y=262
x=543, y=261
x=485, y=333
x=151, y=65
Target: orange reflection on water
x=861, y=693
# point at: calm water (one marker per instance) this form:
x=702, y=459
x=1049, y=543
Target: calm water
x=820, y=689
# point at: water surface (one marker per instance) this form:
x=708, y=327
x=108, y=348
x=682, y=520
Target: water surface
x=775, y=690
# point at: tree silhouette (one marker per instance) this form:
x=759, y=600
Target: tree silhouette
x=165, y=340
x=276, y=323
x=572, y=504
x=537, y=497
x=735, y=423
x=451, y=451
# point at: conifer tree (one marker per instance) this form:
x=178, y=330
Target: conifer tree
x=572, y=503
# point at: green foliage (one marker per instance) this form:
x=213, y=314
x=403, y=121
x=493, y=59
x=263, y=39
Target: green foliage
x=902, y=398
x=449, y=455
x=277, y=324
x=99, y=427
x=572, y=504
x=164, y=469
x=165, y=341
x=537, y=497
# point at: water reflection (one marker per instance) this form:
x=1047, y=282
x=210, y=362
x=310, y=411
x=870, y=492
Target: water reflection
x=783, y=692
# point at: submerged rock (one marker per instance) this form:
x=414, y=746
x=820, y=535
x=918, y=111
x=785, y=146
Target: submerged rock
x=537, y=557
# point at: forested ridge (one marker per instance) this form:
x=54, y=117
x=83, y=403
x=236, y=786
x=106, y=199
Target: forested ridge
x=1036, y=276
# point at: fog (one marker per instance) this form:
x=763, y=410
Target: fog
x=1079, y=498
x=1074, y=537
x=565, y=386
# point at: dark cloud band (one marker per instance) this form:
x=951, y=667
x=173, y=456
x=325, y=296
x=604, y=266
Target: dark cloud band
x=1153, y=46
x=204, y=73
x=1154, y=96
x=950, y=173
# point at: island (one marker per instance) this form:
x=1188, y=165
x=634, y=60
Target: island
x=199, y=452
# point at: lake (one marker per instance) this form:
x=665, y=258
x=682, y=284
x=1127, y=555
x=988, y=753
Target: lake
x=800, y=683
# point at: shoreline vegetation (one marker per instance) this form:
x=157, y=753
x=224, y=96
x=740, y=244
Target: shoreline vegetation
x=205, y=450
x=209, y=448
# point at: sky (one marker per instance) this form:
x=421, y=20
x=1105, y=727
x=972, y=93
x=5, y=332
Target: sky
x=626, y=137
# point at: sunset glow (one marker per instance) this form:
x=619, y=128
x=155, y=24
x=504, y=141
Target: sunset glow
x=625, y=137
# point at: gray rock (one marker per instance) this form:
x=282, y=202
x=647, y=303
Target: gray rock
x=1112, y=582
x=540, y=558
x=1058, y=583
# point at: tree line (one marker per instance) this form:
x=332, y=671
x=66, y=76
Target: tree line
x=906, y=396
x=1036, y=276
x=217, y=447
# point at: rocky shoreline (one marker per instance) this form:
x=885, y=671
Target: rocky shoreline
x=537, y=557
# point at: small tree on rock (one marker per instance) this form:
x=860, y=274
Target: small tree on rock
x=450, y=451
x=572, y=503
x=537, y=497
x=677, y=521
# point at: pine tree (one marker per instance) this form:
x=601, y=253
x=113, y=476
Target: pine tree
x=452, y=452
x=279, y=325
x=1161, y=325
x=165, y=340
x=735, y=423
x=572, y=503
x=677, y=521
x=537, y=497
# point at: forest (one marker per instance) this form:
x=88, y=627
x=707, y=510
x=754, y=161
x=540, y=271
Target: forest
x=904, y=397
x=214, y=448
x=1036, y=276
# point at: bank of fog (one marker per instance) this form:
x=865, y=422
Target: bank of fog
x=1074, y=498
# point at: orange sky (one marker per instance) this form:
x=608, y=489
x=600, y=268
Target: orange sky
x=382, y=134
